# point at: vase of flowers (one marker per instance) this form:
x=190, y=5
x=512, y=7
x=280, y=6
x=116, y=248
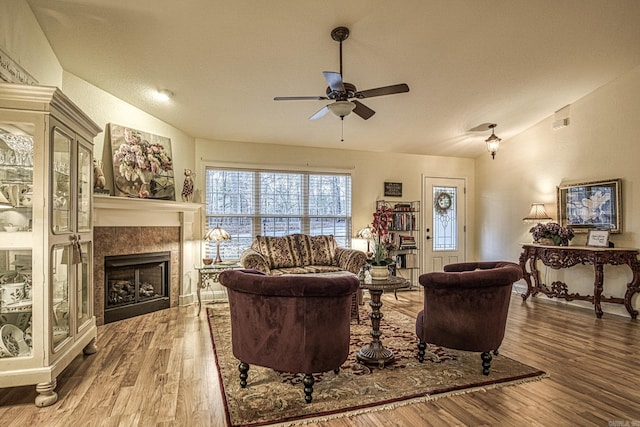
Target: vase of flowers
x=551, y=233
x=380, y=261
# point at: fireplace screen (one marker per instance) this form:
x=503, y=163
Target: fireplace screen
x=136, y=284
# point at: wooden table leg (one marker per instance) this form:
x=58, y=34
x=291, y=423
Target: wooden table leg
x=375, y=352
x=198, y=292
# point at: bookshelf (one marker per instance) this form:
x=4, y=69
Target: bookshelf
x=404, y=238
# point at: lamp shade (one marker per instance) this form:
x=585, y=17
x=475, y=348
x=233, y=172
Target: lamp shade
x=217, y=234
x=537, y=214
x=341, y=108
x=364, y=233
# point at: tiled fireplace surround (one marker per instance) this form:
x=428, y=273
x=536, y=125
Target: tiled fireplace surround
x=130, y=226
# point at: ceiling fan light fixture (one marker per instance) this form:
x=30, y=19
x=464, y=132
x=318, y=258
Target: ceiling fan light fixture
x=341, y=108
x=493, y=142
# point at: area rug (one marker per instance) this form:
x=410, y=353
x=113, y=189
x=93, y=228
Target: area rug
x=277, y=398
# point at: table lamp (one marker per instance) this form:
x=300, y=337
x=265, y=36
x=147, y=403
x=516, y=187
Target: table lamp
x=217, y=235
x=367, y=234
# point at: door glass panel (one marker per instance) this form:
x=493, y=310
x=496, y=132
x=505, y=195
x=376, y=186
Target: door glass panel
x=16, y=176
x=15, y=303
x=84, y=188
x=60, y=183
x=60, y=274
x=82, y=285
x=445, y=225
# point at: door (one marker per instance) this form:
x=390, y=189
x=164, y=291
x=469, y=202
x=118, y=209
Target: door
x=444, y=222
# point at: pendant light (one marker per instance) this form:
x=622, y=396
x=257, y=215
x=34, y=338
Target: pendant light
x=493, y=142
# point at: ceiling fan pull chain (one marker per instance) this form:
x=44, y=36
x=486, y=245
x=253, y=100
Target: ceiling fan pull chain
x=342, y=129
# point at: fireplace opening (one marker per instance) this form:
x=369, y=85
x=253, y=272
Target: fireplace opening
x=136, y=284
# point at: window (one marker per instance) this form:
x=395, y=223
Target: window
x=248, y=203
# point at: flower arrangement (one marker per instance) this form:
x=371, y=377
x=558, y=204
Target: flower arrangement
x=554, y=231
x=138, y=158
x=382, y=219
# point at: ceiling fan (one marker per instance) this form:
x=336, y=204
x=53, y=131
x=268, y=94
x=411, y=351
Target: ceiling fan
x=345, y=95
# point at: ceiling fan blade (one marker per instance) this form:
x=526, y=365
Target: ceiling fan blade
x=334, y=80
x=321, y=113
x=362, y=110
x=386, y=90
x=300, y=98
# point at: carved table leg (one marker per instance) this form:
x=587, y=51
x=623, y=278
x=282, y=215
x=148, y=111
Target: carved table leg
x=632, y=288
x=597, y=288
x=375, y=353
x=46, y=396
x=525, y=274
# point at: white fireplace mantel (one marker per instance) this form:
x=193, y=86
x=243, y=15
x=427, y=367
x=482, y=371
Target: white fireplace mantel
x=109, y=211
x=124, y=211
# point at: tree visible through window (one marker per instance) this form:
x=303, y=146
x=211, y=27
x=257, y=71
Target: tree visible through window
x=248, y=203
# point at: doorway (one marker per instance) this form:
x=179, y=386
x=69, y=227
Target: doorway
x=444, y=222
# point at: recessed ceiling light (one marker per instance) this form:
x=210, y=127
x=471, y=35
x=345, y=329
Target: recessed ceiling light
x=164, y=95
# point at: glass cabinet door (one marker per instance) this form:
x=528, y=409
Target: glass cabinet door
x=85, y=170
x=60, y=183
x=61, y=258
x=16, y=176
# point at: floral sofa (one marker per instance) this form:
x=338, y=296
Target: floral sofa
x=304, y=254
x=301, y=254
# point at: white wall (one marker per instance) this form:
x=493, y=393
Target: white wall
x=601, y=142
x=23, y=40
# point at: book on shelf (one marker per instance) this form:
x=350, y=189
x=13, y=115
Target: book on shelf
x=407, y=242
x=402, y=207
x=403, y=221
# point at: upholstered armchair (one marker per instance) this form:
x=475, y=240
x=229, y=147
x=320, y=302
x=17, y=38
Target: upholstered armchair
x=296, y=323
x=466, y=307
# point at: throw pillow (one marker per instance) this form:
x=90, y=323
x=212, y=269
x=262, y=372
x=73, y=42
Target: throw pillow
x=318, y=250
x=282, y=252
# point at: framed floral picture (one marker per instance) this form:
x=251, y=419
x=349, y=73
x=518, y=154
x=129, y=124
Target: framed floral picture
x=591, y=205
x=142, y=164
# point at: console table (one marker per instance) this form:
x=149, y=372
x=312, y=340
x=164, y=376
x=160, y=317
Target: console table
x=558, y=257
x=207, y=273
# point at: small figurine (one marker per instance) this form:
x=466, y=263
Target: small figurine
x=187, y=187
x=99, y=181
x=367, y=277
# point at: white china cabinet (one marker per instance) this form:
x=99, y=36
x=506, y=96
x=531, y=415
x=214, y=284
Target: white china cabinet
x=46, y=292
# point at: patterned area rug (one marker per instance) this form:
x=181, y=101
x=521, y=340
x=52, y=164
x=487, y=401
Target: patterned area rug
x=278, y=398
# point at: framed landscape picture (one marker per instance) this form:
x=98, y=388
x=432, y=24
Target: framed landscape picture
x=142, y=164
x=591, y=205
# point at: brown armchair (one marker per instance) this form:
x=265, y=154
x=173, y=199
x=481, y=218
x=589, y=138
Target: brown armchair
x=466, y=307
x=297, y=323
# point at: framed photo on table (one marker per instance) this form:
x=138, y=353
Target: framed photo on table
x=599, y=238
x=591, y=205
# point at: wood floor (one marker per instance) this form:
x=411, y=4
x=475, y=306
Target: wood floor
x=158, y=370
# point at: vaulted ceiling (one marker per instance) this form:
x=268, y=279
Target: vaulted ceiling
x=467, y=62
